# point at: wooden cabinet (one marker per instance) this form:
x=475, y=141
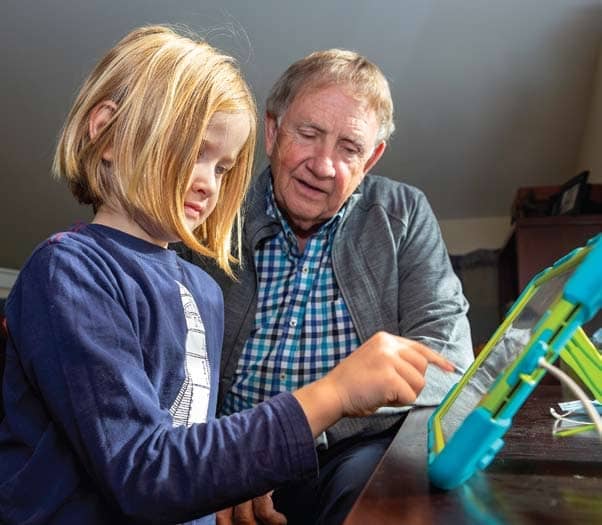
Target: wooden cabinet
x=536, y=243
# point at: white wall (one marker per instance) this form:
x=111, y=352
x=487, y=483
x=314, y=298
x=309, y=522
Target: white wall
x=487, y=94
x=466, y=235
x=591, y=149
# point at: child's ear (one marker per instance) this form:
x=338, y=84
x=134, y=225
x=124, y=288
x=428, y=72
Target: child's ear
x=100, y=116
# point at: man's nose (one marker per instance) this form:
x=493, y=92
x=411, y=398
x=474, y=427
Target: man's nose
x=322, y=162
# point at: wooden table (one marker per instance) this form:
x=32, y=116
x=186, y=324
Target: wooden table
x=536, y=478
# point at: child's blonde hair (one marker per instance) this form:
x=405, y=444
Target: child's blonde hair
x=166, y=87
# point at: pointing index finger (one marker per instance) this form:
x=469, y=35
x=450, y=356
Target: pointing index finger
x=434, y=357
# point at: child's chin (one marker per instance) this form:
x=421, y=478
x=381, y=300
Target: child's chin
x=193, y=225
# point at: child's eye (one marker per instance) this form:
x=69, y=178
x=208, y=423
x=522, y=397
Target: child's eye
x=221, y=170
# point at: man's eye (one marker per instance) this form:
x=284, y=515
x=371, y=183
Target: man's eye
x=307, y=134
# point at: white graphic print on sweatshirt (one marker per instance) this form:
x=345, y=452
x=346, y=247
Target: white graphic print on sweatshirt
x=192, y=402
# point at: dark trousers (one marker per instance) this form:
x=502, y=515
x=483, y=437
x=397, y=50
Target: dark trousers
x=344, y=470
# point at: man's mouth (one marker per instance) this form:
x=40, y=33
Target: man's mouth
x=310, y=187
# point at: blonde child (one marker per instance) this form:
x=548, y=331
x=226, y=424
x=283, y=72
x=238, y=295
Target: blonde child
x=114, y=341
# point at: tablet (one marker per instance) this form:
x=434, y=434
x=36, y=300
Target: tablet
x=465, y=432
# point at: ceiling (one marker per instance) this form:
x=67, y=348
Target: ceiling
x=489, y=95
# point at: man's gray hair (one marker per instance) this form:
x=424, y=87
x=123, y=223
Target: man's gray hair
x=340, y=67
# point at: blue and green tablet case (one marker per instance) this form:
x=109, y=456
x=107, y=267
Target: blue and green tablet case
x=465, y=432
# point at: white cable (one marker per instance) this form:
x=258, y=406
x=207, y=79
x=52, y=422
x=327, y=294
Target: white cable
x=577, y=390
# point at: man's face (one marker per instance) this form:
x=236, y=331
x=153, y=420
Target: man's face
x=319, y=153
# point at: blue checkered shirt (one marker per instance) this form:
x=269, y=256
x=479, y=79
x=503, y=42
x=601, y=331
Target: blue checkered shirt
x=302, y=325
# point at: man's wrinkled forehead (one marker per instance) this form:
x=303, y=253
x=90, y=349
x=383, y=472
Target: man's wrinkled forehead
x=311, y=88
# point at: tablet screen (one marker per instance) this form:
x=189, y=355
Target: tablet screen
x=503, y=353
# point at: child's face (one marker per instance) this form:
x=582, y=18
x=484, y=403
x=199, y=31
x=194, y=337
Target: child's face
x=225, y=137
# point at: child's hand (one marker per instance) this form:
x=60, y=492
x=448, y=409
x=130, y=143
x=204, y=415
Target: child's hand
x=385, y=370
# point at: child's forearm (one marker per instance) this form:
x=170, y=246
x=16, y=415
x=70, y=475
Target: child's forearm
x=321, y=404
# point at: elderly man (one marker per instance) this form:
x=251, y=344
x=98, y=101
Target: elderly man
x=332, y=255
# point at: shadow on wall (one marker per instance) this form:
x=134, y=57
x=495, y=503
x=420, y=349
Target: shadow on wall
x=3, y=338
x=478, y=272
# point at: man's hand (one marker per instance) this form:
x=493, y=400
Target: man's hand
x=385, y=370
x=258, y=511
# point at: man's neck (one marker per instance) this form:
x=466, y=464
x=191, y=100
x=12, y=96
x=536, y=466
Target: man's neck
x=302, y=241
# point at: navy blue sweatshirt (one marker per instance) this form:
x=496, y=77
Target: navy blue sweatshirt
x=110, y=389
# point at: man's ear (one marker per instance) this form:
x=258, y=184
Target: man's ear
x=100, y=116
x=375, y=157
x=270, y=123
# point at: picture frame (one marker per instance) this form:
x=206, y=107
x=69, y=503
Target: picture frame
x=572, y=196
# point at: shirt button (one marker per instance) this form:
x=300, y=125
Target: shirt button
x=283, y=376
x=293, y=322
x=305, y=269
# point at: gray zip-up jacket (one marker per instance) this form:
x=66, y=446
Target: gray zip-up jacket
x=393, y=270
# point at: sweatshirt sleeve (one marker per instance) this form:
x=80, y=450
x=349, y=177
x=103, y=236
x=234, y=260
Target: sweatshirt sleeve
x=82, y=358
x=431, y=303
